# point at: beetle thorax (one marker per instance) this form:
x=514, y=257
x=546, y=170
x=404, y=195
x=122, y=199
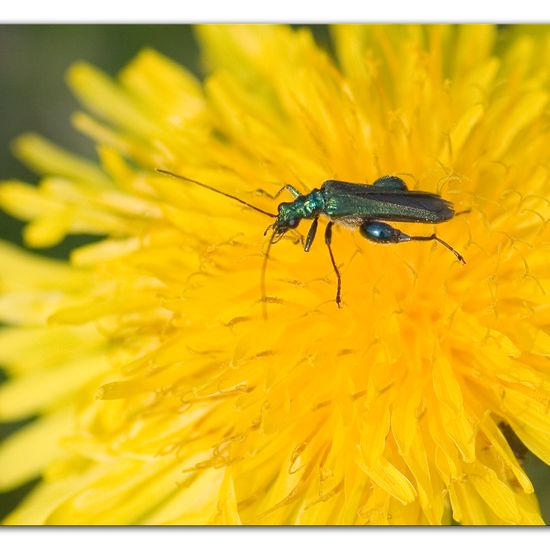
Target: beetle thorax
x=303, y=207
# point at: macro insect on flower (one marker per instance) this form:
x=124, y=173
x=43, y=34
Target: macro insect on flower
x=353, y=205
x=162, y=394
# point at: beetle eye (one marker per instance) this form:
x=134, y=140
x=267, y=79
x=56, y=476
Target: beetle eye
x=293, y=222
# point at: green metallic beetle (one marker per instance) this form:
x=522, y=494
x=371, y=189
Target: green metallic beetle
x=367, y=207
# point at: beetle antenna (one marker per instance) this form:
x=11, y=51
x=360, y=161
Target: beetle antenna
x=262, y=277
x=184, y=178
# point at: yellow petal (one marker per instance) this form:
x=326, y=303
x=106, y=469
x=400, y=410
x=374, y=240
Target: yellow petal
x=97, y=91
x=26, y=201
x=168, y=91
x=468, y=508
x=25, y=454
x=496, y=494
x=38, y=504
x=36, y=393
x=522, y=114
x=227, y=503
x=464, y=127
x=25, y=350
x=389, y=478
x=21, y=270
x=47, y=158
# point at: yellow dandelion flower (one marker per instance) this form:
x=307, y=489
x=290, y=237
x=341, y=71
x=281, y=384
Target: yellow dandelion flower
x=164, y=396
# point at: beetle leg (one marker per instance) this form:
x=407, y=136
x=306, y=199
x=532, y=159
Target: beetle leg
x=299, y=238
x=290, y=188
x=311, y=235
x=380, y=232
x=328, y=239
x=434, y=237
x=463, y=212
